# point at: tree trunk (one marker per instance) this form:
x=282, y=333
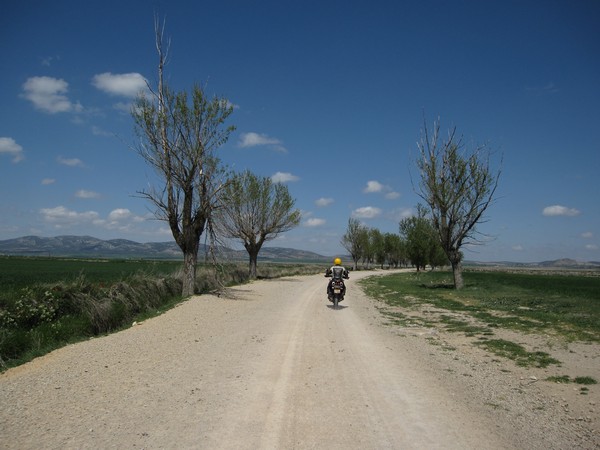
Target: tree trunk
x=253, y=262
x=190, y=259
x=457, y=272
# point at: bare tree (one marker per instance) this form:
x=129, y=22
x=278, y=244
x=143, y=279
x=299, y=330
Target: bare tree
x=355, y=240
x=458, y=185
x=256, y=210
x=179, y=136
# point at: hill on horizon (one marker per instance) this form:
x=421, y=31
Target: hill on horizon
x=91, y=247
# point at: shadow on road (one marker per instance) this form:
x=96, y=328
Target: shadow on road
x=338, y=307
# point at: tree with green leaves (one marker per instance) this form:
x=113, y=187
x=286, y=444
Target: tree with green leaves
x=354, y=240
x=377, y=246
x=179, y=135
x=394, y=249
x=458, y=184
x=418, y=235
x=255, y=210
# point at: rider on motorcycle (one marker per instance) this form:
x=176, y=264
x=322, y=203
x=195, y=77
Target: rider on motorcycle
x=336, y=271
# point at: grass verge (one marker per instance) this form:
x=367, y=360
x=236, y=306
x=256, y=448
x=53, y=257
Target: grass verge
x=564, y=306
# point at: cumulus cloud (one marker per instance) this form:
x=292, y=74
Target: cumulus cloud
x=587, y=235
x=366, y=212
x=559, y=210
x=47, y=181
x=49, y=95
x=123, y=84
x=82, y=193
x=591, y=247
x=9, y=146
x=120, y=218
x=255, y=139
x=284, y=177
x=62, y=217
x=314, y=222
x=517, y=248
x=323, y=201
x=375, y=187
x=119, y=214
x=71, y=162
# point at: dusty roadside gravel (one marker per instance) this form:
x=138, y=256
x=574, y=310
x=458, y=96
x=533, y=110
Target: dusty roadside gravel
x=271, y=365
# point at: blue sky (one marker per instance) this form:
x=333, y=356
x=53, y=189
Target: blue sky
x=329, y=97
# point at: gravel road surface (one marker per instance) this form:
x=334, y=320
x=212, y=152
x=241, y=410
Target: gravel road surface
x=268, y=365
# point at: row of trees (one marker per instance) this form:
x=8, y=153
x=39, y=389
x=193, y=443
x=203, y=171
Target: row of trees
x=416, y=244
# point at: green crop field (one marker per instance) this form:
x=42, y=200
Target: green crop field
x=18, y=272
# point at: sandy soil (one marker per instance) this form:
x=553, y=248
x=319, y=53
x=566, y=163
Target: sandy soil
x=271, y=365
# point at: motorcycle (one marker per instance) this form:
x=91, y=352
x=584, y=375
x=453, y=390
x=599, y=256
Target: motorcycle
x=338, y=288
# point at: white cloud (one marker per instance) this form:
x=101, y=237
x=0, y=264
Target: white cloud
x=284, y=177
x=82, y=193
x=118, y=219
x=122, y=218
x=10, y=147
x=366, y=212
x=314, y=222
x=119, y=214
x=71, y=162
x=587, y=235
x=517, y=248
x=324, y=202
x=47, y=181
x=559, y=210
x=591, y=247
x=63, y=217
x=49, y=95
x=254, y=139
x=373, y=186
x=123, y=85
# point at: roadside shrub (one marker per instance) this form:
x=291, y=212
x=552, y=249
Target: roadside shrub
x=44, y=317
x=31, y=308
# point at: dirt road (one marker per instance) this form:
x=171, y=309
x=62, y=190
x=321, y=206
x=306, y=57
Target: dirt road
x=270, y=365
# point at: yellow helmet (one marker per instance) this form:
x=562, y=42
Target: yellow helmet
x=337, y=261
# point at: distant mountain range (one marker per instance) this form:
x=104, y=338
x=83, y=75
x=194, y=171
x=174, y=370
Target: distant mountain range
x=90, y=247
x=564, y=263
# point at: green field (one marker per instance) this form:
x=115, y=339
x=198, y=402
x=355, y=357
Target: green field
x=561, y=304
x=17, y=272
